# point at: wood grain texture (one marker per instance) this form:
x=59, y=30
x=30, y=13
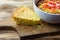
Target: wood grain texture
x=30, y=30
x=24, y=30
x=9, y=35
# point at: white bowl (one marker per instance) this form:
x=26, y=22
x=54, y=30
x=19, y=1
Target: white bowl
x=49, y=18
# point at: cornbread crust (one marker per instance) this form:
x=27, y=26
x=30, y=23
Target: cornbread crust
x=23, y=15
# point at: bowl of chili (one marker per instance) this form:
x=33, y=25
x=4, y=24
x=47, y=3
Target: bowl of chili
x=49, y=11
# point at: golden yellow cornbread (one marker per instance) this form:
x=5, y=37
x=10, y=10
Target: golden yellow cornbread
x=25, y=16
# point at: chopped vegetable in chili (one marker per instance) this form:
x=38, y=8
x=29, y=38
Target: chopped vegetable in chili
x=52, y=7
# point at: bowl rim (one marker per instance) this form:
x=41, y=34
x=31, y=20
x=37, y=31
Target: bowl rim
x=44, y=11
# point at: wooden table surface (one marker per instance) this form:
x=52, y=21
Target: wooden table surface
x=24, y=30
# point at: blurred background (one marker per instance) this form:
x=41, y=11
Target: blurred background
x=8, y=6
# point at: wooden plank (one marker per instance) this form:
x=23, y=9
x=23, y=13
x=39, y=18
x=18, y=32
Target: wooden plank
x=30, y=30
x=8, y=34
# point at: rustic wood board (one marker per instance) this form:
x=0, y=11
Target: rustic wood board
x=29, y=30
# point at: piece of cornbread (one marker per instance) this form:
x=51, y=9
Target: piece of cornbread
x=23, y=15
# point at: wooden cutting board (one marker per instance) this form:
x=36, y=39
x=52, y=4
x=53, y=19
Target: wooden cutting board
x=30, y=30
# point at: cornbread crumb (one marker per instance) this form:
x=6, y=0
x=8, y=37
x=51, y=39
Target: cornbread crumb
x=23, y=15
